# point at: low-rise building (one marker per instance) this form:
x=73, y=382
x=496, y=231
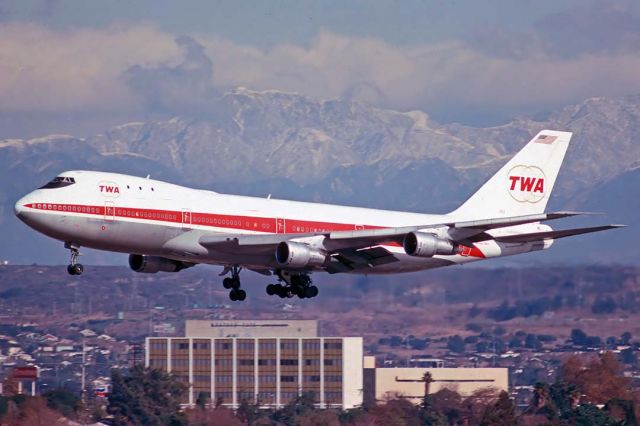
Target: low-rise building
x=382, y=384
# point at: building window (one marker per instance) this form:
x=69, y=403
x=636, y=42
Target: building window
x=245, y=346
x=225, y=397
x=158, y=363
x=333, y=362
x=333, y=345
x=266, y=362
x=224, y=362
x=201, y=345
x=287, y=379
x=335, y=397
x=179, y=346
x=288, y=345
x=179, y=362
x=269, y=378
x=201, y=362
x=267, y=346
x=245, y=378
x=246, y=396
x=223, y=378
x=224, y=346
x=333, y=379
x=201, y=378
x=312, y=362
x=245, y=362
x=311, y=378
x=158, y=346
x=311, y=346
x=288, y=362
x=288, y=396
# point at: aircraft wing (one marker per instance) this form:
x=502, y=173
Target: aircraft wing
x=537, y=236
x=346, y=241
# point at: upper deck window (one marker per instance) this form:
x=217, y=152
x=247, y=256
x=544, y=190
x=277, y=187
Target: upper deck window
x=59, y=182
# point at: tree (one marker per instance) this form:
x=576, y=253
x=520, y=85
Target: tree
x=532, y=342
x=248, y=412
x=218, y=416
x=301, y=406
x=455, y=344
x=501, y=413
x=604, y=305
x=578, y=337
x=62, y=401
x=146, y=396
x=600, y=380
x=442, y=407
x=26, y=410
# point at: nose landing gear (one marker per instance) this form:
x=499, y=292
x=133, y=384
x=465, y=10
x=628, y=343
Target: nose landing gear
x=74, y=267
x=233, y=283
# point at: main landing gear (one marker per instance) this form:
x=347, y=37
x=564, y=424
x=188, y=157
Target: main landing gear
x=74, y=267
x=233, y=283
x=295, y=284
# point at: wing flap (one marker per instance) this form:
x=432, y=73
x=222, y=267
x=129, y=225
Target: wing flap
x=537, y=236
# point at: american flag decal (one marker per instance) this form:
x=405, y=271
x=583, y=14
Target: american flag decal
x=546, y=139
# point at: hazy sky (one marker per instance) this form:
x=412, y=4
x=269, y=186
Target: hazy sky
x=80, y=65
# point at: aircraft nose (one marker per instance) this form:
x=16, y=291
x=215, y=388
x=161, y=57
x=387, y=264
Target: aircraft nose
x=19, y=207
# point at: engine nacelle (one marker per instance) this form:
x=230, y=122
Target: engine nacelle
x=153, y=264
x=422, y=244
x=298, y=255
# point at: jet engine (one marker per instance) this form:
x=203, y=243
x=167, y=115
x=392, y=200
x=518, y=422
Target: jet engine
x=422, y=244
x=153, y=264
x=298, y=255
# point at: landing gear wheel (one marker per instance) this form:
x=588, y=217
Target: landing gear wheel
x=282, y=291
x=74, y=267
x=237, y=295
x=272, y=289
x=227, y=283
x=233, y=283
x=311, y=291
x=240, y=295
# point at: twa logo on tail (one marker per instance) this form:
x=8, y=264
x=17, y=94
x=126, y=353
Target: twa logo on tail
x=526, y=184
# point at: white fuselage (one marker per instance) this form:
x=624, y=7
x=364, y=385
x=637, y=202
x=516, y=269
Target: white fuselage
x=128, y=214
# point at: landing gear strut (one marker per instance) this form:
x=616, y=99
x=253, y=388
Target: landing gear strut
x=74, y=267
x=298, y=284
x=233, y=283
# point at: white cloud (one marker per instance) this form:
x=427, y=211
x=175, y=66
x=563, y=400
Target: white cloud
x=47, y=70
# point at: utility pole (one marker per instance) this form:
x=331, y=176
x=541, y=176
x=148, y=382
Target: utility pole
x=83, y=384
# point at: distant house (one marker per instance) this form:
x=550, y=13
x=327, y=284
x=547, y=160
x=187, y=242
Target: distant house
x=88, y=333
x=50, y=338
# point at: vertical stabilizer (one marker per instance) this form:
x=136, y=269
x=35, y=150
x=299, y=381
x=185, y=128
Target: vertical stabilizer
x=523, y=185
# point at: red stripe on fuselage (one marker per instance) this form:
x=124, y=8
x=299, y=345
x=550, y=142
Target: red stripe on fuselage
x=246, y=223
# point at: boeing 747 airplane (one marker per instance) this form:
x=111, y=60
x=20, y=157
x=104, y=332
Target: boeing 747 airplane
x=165, y=227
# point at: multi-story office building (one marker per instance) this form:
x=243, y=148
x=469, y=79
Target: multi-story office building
x=271, y=371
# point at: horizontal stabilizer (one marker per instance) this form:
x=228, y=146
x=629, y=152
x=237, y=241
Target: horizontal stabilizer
x=537, y=236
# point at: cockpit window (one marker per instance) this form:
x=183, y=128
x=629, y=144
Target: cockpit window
x=59, y=182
